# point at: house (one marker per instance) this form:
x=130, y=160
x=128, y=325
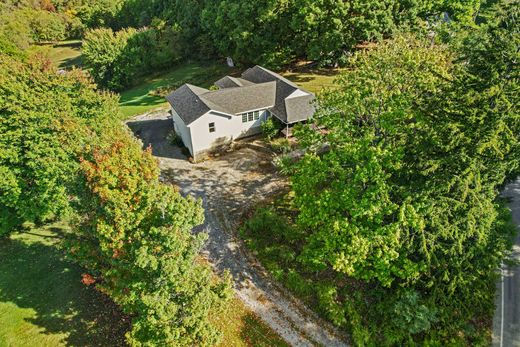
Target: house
x=206, y=119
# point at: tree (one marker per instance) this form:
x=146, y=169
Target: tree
x=136, y=238
x=117, y=59
x=421, y=139
x=64, y=153
x=40, y=119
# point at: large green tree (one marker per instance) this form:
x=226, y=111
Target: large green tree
x=64, y=153
x=419, y=141
x=136, y=238
x=41, y=118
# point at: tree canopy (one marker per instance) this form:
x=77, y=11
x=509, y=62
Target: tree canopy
x=65, y=154
x=420, y=140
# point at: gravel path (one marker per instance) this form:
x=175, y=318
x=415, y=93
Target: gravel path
x=228, y=185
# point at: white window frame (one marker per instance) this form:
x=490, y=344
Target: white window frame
x=212, y=127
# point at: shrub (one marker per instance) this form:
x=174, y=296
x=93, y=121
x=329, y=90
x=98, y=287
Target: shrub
x=270, y=129
x=281, y=146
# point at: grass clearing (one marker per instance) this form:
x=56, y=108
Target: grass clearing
x=139, y=99
x=66, y=54
x=242, y=328
x=314, y=80
x=43, y=302
x=42, y=299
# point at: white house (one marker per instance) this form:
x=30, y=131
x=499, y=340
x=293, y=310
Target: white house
x=207, y=119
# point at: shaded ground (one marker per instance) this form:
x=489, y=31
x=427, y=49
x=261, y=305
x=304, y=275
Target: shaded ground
x=228, y=185
x=506, y=322
x=44, y=303
x=66, y=54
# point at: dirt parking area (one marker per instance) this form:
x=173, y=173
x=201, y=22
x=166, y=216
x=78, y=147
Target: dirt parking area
x=228, y=186
x=233, y=180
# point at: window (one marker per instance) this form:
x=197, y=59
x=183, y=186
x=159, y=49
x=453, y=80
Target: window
x=250, y=116
x=257, y=115
x=244, y=118
x=211, y=127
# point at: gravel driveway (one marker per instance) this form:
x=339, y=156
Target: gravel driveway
x=228, y=185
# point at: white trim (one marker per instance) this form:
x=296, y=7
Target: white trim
x=265, y=108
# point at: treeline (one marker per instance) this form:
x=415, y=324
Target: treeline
x=64, y=155
x=26, y=22
x=271, y=33
x=399, y=224
x=267, y=32
x=275, y=32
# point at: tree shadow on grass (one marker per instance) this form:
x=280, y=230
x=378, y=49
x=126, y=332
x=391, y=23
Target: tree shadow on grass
x=34, y=275
x=72, y=62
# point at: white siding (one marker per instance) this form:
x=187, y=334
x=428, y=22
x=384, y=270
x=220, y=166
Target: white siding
x=182, y=130
x=227, y=128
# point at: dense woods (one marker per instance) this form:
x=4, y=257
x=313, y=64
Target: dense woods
x=400, y=215
x=267, y=32
x=396, y=229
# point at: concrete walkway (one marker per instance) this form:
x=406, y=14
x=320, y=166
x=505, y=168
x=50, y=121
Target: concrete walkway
x=506, y=322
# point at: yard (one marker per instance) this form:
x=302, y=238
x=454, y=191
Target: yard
x=147, y=95
x=139, y=99
x=66, y=54
x=43, y=302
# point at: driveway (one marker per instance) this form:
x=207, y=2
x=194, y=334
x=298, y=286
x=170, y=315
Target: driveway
x=506, y=322
x=228, y=186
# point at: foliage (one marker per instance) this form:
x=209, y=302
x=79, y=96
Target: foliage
x=41, y=114
x=117, y=59
x=270, y=128
x=281, y=145
x=63, y=151
x=421, y=139
x=137, y=238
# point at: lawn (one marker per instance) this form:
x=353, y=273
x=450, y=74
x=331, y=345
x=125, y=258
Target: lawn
x=42, y=299
x=138, y=100
x=43, y=302
x=66, y=54
x=313, y=80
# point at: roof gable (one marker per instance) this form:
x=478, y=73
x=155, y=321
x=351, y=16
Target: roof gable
x=258, y=88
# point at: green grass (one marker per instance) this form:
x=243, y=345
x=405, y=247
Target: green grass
x=66, y=54
x=42, y=299
x=313, y=80
x=43, y=302
x=242, y=328
x=138, y=100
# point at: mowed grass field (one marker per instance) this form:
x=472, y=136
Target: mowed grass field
x=139, y=99
x=44, y=304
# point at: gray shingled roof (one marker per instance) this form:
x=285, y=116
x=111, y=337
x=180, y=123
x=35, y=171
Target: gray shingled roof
x=258, y=74
x=241, y=99
x=257, y=89
x=186, y=102
x=231, y=82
